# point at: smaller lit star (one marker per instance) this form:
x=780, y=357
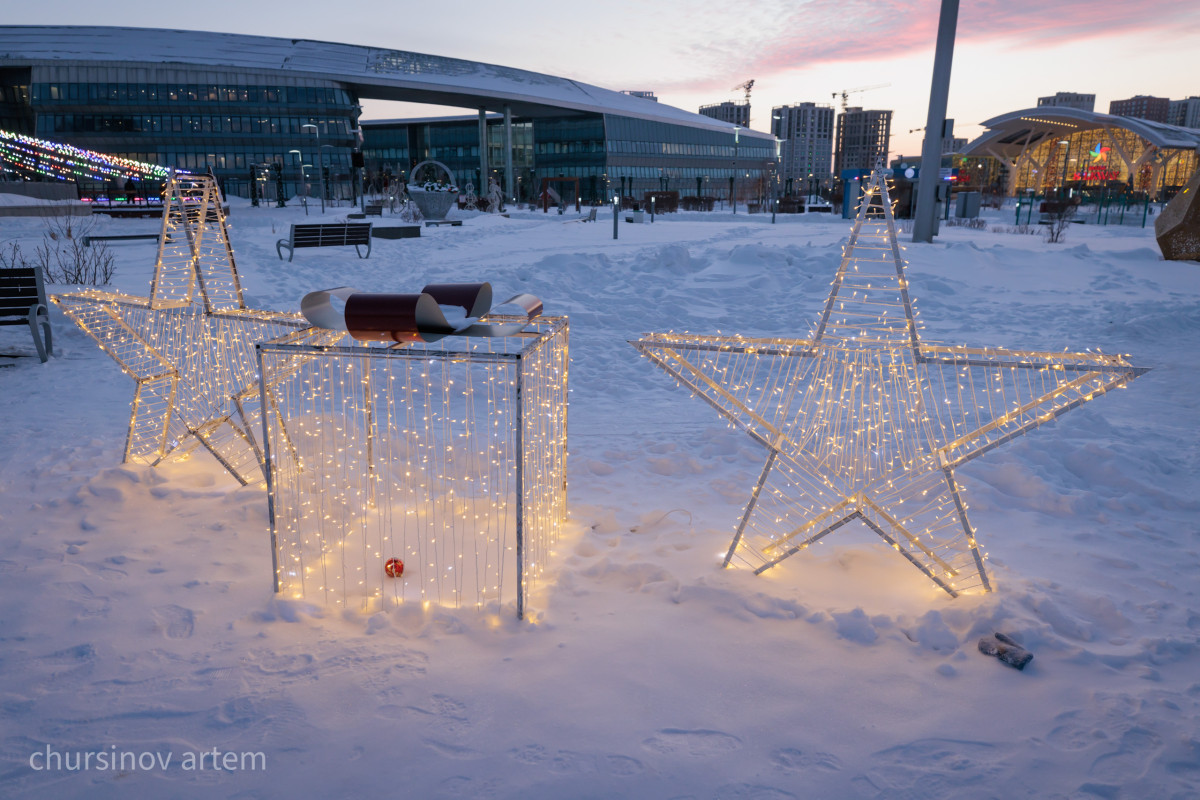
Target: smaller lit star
x=190, y=345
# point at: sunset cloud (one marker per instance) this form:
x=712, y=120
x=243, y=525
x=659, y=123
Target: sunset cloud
x=778, y=37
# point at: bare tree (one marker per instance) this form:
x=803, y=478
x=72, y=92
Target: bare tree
x=1059, y=214
x=67, y=258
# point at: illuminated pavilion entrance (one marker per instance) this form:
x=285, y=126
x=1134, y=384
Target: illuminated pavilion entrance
x=1053, y=148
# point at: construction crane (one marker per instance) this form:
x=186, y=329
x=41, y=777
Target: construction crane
x=747, y=86
x=845, y=92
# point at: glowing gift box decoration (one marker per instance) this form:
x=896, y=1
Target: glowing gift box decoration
x=415, y=468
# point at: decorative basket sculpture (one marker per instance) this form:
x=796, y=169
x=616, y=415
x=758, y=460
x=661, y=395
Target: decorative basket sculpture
x=407, y=467
x=435, y=198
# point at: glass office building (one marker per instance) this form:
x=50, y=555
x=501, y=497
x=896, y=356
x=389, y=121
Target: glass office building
x=608, y=153
x=238, y=105
x=228, y=121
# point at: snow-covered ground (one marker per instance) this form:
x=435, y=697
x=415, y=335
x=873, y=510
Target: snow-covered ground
x=138, y=615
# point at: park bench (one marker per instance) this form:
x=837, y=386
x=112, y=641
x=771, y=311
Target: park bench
x=327, y=234
x=453, y=223
x=23, y=302
x=87, y=240
x=396, y=232
x=373, y=210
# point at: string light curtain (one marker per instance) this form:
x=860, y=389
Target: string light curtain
x=431, y=473
x=865, y=421
x=189, y=346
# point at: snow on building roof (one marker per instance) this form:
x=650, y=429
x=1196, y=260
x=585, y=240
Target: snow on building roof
x=370, y=72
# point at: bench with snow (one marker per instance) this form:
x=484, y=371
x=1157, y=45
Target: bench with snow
x=373, y=210
x=453, y=223
x=87, y=240
x=23, y=302
x=327, y=234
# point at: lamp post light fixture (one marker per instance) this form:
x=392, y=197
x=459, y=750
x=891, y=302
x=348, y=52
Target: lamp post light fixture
x=317, y=131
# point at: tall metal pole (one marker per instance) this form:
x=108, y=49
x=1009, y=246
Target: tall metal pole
x=483, y=154
x=733, y=182
x=508, y=160
x=320, y=162
x=931, y=151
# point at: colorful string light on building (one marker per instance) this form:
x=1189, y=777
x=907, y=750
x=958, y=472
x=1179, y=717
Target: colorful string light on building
x=40, y=157
x=865, y=421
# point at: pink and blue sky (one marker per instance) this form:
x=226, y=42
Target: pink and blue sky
x=691, y=52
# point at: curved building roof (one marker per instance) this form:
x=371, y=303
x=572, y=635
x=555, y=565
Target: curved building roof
x=1010, y=133
x=370, y=72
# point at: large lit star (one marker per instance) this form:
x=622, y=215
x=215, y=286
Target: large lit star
x=190, y=345
x=865, y=421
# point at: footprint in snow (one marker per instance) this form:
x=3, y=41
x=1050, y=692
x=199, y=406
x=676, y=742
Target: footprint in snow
x=696, y=744
x=176, y=622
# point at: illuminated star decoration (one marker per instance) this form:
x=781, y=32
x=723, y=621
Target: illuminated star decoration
x=190, y=345
x=865, y=421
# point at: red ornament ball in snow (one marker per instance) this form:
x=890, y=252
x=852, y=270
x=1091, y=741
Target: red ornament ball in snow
x=394, y=568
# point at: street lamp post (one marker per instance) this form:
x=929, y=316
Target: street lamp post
x=321, y=171
x=733, y=180
x=304, y=177
x=1062, y=189
x=326, y=164
x=299, y=160
x=775, y=180
x=359, y=171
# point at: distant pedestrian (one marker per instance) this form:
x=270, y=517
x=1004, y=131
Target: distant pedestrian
x=130, y=190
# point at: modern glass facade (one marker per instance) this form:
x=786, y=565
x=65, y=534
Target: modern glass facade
x=1041, y=150
x=16, y=115
x=1097, y=158
x=156, y=96
x=608, y=153
x=391, y=148
x=194, y=119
